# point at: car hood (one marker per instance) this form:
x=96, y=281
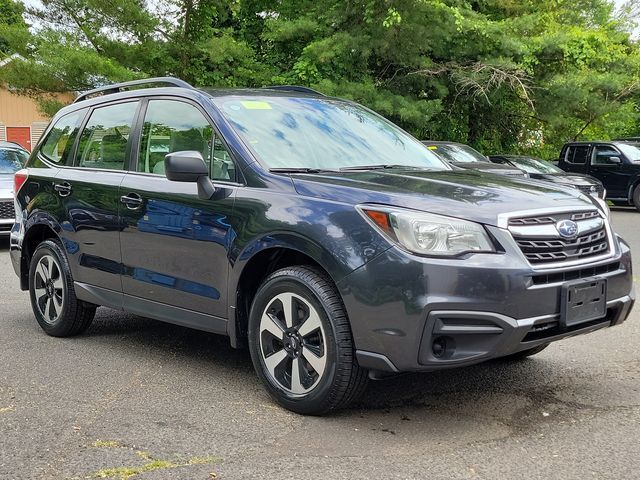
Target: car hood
x=6, y=185
x=466, y=194
x=566, y=178
x=489, y=168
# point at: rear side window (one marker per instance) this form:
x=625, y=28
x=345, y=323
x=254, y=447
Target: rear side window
x=56, y=146
x=103, y=142
x=578, y=154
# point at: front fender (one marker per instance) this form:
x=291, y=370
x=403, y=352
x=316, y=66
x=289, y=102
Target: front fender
x=332, y=234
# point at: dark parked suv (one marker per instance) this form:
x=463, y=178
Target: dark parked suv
x=616, y=164
x=330, y=241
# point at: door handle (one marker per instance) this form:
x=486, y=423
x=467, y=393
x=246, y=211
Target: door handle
x=63, y=189
x=133, y=201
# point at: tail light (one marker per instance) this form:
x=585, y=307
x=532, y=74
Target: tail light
x=19, y=178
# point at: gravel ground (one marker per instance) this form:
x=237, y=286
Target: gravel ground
x=134, y=396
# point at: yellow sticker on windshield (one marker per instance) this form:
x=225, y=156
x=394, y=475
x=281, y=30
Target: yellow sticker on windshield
x=255, y=105
x=432, y=147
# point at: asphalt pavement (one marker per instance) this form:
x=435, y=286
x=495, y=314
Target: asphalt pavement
x=135, y=398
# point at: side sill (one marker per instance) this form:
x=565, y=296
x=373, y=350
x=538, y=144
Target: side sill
x=98, y=296
x=175, y=315
x=150, y=309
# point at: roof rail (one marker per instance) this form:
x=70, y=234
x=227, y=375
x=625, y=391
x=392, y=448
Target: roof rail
x=294, y=88
x=119, y=87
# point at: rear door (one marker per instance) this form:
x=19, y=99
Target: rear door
x=576, y=158
x=90, y=194
x=175, y=245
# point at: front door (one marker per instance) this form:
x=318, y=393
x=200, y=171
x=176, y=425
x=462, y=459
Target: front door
x=174, y=245
x=612, y=173
x=20, y=135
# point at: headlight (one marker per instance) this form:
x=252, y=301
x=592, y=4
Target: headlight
x=426, y=233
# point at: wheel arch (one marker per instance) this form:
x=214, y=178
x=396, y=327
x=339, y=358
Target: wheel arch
x=635, y=183
x=35, y=233
x=260, y=259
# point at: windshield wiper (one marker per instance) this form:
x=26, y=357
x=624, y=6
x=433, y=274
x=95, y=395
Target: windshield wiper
x=382, y=166
x=301, y=170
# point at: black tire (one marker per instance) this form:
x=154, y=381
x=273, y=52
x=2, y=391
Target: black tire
x=342, y=380
x=526, y=353
x=636, y=198
x=72, y=316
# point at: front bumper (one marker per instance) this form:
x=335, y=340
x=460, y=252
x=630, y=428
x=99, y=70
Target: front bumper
x=484, y=306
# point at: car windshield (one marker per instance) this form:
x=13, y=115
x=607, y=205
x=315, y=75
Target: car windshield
x=12, y=160
x=457, y=153
x=630, y=150
x=534, y=165
x=318, y=133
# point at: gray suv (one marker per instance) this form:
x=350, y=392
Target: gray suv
x=330, y=242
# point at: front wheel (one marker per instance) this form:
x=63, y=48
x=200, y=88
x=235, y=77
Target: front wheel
x=301, y=343
x=53, y=297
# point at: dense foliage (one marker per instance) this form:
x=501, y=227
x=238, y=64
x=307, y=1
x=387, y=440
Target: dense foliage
x=503, y=75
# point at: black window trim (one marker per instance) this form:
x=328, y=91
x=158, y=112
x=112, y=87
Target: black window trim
x=137, y=131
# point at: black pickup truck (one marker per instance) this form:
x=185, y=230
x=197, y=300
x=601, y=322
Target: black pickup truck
x=616, y=164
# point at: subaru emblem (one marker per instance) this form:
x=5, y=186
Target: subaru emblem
x=567, y=228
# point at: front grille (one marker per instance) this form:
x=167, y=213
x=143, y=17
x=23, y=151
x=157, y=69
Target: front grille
x=6, y=210
x=541, y=242
x=559, y=277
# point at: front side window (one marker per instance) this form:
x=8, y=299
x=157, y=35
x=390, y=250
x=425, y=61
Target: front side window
x=602, y=155
x=578, y=154
x=321, y=133
x=56, y=146
x=174, y=126
x=12, y=159
x=103, y=142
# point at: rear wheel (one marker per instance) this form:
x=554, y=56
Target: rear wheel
x=53, y=298
x=301, y=344
x=636, y=198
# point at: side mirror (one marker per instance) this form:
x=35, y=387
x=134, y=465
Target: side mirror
x=185, y=166
x=188, y=166
x=615, y=160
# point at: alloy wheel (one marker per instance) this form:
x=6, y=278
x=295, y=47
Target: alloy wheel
x=292, y=343
x=49, y=288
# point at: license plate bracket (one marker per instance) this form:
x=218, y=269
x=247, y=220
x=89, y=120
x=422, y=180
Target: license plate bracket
x=583, y=301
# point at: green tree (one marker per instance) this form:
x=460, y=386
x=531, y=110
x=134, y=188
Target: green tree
x=503, y=75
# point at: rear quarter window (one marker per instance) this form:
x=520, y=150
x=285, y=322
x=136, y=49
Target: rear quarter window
x=57, y=145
